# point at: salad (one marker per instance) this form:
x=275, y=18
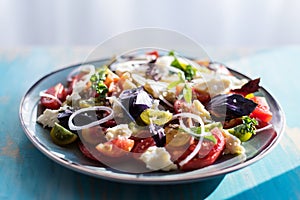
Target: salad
x=158, y=110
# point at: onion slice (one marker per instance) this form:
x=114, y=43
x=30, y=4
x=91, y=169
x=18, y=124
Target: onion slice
x=175, y=70
x=264, y=128
x=90, y=68
x=72, y=73
x=191, y=115
x=165, y=101
x=198, y=146
x=44, y=94
x=95, y=123
x=115, y=100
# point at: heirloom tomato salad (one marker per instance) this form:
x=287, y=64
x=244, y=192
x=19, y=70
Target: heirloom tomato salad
x=161, y=110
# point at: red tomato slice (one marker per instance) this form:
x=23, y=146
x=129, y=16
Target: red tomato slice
x=123, y=143
x=86, y=152
x=109, y=123
x=73, y=81
x=208, y=153
x=153, y=53
x=262, y=111
x=116, y=147
x=57, y=91
x=141, y=146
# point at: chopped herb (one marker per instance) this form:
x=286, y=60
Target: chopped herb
x=197, y=130
x=245, y=130
x=187, y=93
x=188, y=70
x=176, y=64
x=211, y=137
x=98, y=85
x=209, y=127
x=175, y=83
x=171, y=53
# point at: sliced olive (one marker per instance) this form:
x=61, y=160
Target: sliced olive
x=157, y=117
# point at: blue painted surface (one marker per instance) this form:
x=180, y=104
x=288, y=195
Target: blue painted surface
x=25, y=173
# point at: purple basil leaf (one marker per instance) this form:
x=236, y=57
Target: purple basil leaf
x=225, y=107
x=250, y=87
x=158, y=135
x=135, y=101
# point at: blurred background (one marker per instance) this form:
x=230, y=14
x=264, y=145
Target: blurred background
x=231, y=23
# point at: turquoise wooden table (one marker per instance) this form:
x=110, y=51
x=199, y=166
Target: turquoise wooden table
x=25, y=173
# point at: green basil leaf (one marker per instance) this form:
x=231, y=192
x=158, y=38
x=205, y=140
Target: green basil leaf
x=176, y=64
x=187, y=93
x=173, y=84
x=211, y=138
x=171, y=53
x=197, y=130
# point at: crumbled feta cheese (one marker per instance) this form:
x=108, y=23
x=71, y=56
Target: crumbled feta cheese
x=118, y=111
x=212, y=84
x=48, y=118
x=155, y=88
x=157, y=158
x=167, y=72
x=78, y=87
x=233, y=144
x=63, y=108
x=124, y=67
x=167, y=60
x=155, y=104
x=138, y=79
x=164, y=60
x=128, y=85
x=130, y=66
x=216, y=84
x=236, y=83
x=121, y=130
x=199, y=109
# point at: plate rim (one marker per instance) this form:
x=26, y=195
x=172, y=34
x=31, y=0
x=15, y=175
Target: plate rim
x=139, y=178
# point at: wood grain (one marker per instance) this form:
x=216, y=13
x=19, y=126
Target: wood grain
x=25, y=173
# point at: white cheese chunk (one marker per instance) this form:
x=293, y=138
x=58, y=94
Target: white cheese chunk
x=233, y=144
x=199, y=109
x=212, y=84
x=167, y=60
x=164, y=60
x=48, y=118
x=157, y=158
x=78, y=87
x=121, y=130
x=130, y=66
x=216, y=84
x=155, y=88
